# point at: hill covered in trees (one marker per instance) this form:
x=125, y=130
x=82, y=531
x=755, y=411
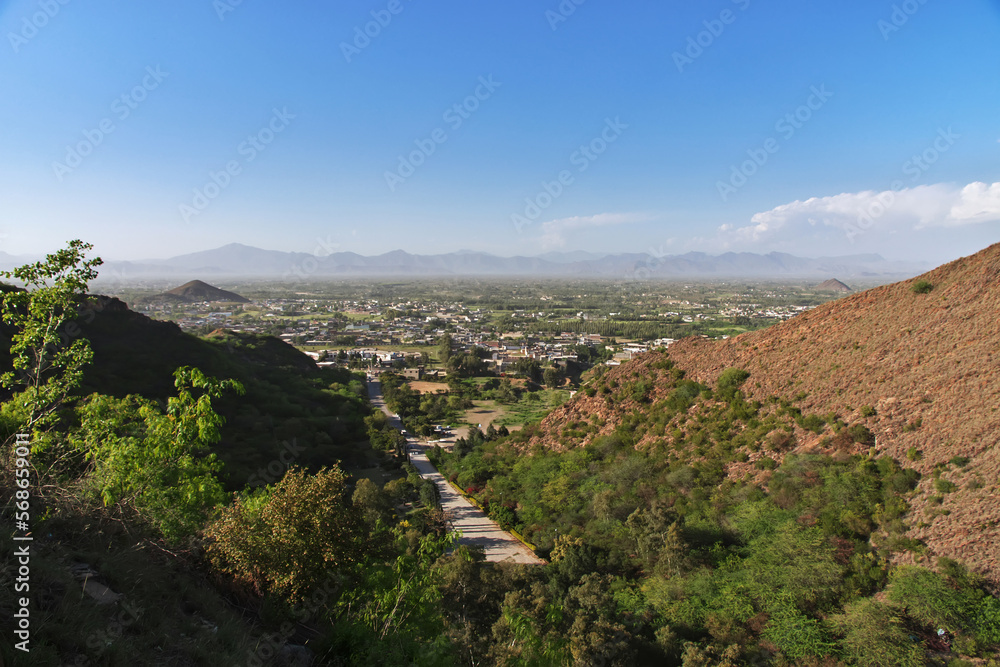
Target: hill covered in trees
x=819, y=492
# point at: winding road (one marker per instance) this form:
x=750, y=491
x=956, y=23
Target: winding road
x=476, y=528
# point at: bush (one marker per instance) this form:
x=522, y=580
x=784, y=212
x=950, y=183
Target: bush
x=287, y=538
x=921, y=287
x=944, y=486
x=930, y=600
x=729, y=382
x=812, y=423
x=766, y=463
x=860, y=434
x=875, y=636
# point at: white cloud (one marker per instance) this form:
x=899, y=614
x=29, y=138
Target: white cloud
x=924, y=206
x=554, y=232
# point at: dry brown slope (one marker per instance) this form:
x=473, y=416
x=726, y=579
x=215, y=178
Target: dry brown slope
x=928, y=358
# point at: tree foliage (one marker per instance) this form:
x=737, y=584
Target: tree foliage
x=288, y=538
x=159, y=463
x=47, y=364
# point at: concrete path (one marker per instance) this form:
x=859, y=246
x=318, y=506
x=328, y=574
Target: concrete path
x=476, y=528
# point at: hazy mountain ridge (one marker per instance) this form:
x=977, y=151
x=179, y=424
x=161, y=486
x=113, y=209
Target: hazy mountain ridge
x=239, y=260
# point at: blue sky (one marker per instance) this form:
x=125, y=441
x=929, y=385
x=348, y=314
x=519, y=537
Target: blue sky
x=820, y=128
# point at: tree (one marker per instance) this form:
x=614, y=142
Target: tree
x=46, y=365
x=444, y=349
x=155, y=462
x=290, y=537
x=553, y=377
x=505, y=392
x=875, y=636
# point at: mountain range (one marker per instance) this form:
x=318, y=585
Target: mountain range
x=238, y=260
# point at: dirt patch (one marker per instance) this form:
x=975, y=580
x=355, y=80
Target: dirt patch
x=485, y=413
x=428, y=387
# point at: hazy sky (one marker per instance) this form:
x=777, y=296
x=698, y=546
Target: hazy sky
x=518, y=127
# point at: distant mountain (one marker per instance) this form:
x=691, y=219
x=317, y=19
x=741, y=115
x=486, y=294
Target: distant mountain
x=574, y=256
x=197, y=290
x=833, y=285
x=237, y=260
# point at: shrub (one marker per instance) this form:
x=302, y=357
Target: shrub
x=944, y=486
x=868, y=411
x=287, y=538
x=813, y=423
x=929, y=599
x=860, y=433
x=729, y=382
x=874, y=635
x=766, y=463
x=921, y=287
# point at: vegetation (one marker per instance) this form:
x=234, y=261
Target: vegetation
x=788, y=566
x=689, y=532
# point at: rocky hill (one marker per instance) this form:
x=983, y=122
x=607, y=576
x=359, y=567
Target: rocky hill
x=196, y=290
x=916, y=362
x=833, y=285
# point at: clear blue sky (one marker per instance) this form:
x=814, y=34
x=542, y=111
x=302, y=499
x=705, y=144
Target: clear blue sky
x=890, y=87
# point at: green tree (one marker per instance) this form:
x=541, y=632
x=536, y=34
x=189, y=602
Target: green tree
x=47, y=366
x=444, y=349
x=289, y=538
x=153, y=461
x=874, y=636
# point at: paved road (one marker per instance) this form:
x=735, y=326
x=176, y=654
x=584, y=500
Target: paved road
x=475, y=526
